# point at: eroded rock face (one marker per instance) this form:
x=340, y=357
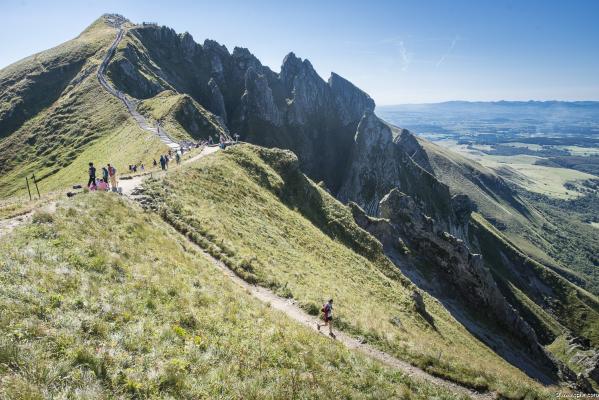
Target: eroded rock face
x=404, y=224
x=258, y=101
x=375, y=164
x=217, y=103
x=382, y=161
x=351, y=102
x=294, y=109
x=451, y=254
x=582, y=354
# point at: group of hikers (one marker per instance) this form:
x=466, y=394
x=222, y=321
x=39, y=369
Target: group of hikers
x=133, y=167
x=166, y=158
x=108, y=180
x=222, y=140
x=109, y=175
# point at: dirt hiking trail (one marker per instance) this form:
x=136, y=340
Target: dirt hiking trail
x=289, y=307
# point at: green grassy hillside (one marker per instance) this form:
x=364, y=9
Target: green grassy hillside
x=252, y=208
x=534, y=227
x=182, y=117
x=532, y=285
x=34, y=83
x=81, y=123
x=102, y=300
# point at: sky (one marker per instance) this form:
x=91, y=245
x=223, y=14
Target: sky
x=397, y=51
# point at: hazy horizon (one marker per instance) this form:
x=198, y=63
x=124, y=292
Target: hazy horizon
x=490, y=101
x=408, y=53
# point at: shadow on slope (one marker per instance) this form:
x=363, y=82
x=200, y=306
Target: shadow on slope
x=253, y=209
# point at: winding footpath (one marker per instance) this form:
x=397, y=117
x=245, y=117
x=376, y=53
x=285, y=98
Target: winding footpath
x=131, y=189
x=131, y=105
x=291, y=309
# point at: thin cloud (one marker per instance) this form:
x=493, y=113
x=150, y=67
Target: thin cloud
x=449, y=50
x=406, y=57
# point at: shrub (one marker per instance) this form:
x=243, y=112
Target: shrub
x=84, y=358
x=42, y=217
x=311, y=308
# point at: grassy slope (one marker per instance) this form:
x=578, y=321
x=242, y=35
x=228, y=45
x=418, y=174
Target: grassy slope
x=84, y=124
x=231, y=204
x=461, y=175
x=527, y=230
x=34, y=83
x=573, y=241
x=526, y=235
x=181, y=116
x=88, y=314
x=571, y=306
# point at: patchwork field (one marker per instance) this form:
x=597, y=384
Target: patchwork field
x=521, y=170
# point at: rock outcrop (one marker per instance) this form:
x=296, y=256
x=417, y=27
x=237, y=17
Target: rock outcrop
x=332, y=127
x=294, y=109
x=382, y=161
x=405, y=228
x=351, y=102
x=217, y=103
x=257, y=100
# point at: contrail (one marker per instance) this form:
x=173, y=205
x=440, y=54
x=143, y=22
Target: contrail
x=451, y=46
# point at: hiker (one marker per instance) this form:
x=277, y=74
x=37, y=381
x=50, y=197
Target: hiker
x=162, y=162
x=210, y=140
x=166, y=160
x=178, y=158
x=112, y=175
x=327, y=317
x=105, y=174
x=154, y=163
x=102, y=185
x=143, y=167
x=92, y=175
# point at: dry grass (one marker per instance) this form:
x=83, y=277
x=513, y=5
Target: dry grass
x=244, y=211
x=100, y=300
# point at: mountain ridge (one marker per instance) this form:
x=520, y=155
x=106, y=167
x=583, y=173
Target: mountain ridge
x=339, y=141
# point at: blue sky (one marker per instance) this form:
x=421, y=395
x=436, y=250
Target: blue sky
x=397, y=51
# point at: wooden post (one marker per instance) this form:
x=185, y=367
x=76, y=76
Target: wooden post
x=28, y=190
x=36, y=188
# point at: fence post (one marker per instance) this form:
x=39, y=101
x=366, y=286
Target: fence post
x=28, y=190
x=36, y=188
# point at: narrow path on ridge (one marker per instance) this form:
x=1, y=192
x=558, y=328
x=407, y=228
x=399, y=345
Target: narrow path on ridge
x=130, y=186
x=292, y=310
x=141, y=121
x=287, y=306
